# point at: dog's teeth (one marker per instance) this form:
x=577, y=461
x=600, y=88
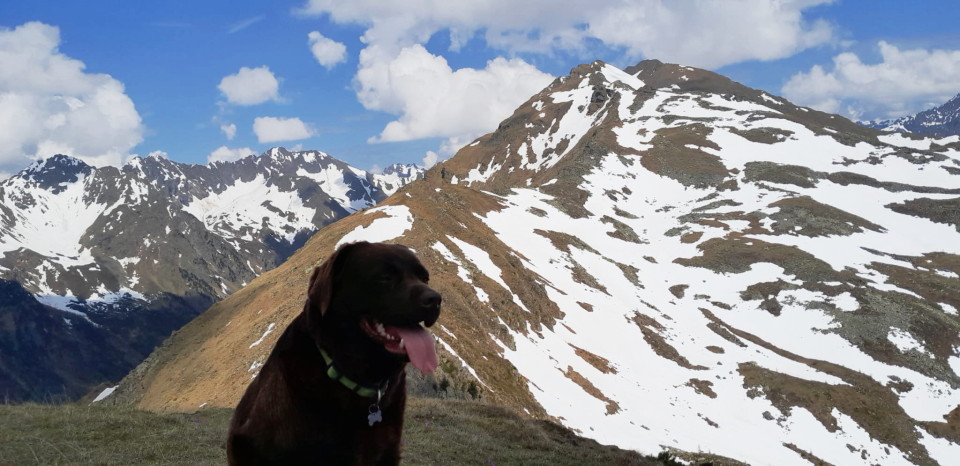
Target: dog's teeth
x=401, y=343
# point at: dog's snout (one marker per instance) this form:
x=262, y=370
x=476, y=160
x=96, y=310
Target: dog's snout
x=430, y=306
x=430, y=299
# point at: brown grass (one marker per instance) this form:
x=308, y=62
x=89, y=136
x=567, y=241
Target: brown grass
x=577, y=378
x=600, y=363
x=871, y=405
x=651, y=328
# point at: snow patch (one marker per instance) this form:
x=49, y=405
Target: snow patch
x=104, y=394
x=268, y=331
x=398, y=221
x=905, y=342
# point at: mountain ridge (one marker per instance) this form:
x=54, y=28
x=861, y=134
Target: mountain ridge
x=941, y=121
x=701, y=269
x=136, y=251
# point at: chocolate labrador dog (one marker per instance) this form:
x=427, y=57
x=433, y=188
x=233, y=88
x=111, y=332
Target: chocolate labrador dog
x=333, y=389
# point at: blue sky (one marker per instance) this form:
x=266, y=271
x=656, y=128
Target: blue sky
x=412, y=81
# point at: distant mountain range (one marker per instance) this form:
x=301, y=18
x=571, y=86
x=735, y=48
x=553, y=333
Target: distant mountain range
x=99, y=265
x=941, y=121
x=659, y=257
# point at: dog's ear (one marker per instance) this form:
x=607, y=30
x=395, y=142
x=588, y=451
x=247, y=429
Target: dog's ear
x=320, y=291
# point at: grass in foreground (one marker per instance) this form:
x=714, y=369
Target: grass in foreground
x=74, y=434
x=436, y=432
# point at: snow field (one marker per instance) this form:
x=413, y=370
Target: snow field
x=657, y=407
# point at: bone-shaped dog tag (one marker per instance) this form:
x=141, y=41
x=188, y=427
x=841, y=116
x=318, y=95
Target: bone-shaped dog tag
x=375, y=415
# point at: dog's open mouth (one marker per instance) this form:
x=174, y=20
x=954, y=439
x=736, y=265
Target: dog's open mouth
x=416, y=342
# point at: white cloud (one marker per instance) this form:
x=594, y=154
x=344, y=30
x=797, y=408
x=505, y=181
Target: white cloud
x=399, y=76
x=902, y=83
x=433, y=100
x=328, y=52
x=229, y=130
x=704, y=33
x=271, y=129
x=50, y=105
x=430, y=159
x=226, y=154
x=250, y=86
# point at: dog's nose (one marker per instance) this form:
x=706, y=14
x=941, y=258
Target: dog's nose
x=430, y=299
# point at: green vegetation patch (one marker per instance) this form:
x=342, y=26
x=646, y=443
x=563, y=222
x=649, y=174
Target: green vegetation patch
x=763, y=135
x=735, y=254
x=771, y=172
x=937, y=210
x=673, y=157
x=72, y=434
x=805, y=216
x=435, y=432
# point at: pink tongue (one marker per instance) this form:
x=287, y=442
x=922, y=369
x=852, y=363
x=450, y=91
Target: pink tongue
x=420, y=349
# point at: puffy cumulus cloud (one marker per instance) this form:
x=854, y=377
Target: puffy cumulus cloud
x=430, y=159
x=902, y=83
x=250, y=86
x=397, y=75
x=229, y=130
x=226, y=154
x=704, y=33
x=50, y=105
x=328, y=52
x=710, y=33
x=271, y=129
x=434, y=100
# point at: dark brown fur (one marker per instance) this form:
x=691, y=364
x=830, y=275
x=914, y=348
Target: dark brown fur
x=293, y=413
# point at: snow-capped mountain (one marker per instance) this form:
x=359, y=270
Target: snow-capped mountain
x=98, y=244
x=940, y=121
x=661, y=258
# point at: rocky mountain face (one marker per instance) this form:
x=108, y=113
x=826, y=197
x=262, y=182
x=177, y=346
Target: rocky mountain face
x=108, y=261
x=660, y=258
x=942, y=121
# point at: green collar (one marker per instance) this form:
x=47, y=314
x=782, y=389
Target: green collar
x=362, y=390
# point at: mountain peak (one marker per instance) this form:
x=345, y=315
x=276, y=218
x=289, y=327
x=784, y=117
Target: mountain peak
x=658, y=74
x=939, y=121
x=56, y=171
x=278, y=153
x=588, y=68
x=402, y=169
x=58, y=161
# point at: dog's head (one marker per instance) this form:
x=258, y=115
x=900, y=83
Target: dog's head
x=378, y=295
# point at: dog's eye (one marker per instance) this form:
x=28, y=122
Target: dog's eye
x=385, y=278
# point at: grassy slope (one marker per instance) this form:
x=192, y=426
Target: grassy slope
x=437, y=432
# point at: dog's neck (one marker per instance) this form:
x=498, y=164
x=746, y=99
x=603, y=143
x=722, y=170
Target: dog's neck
x=366, y=391
x=349, y=355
